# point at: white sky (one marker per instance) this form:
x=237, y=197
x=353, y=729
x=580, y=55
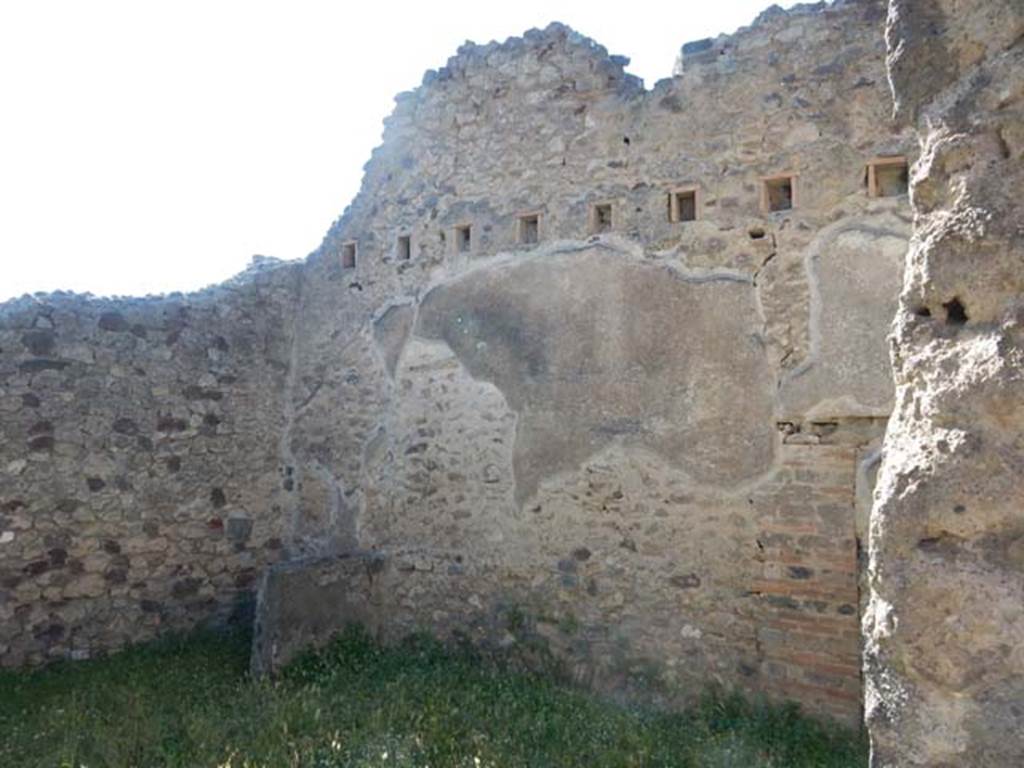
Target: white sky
x=154, y=146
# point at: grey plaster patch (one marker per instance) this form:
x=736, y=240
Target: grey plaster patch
x=390, y=331
x=560, y=338
x=851, y=268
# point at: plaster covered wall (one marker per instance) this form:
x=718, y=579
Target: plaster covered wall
x=636, y=450
x=640, y=446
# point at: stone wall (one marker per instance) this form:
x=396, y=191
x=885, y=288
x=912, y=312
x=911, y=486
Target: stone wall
x=649, y=437
x=945, y=630
x=638, y=443
x=138, y=458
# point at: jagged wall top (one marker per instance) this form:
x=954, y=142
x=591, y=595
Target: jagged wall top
x=471, y=56
x=575, y=71
x=770, y=22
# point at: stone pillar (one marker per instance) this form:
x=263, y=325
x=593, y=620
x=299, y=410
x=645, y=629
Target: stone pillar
x=944, y=628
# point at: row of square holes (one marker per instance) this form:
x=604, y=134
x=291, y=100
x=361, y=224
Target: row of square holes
x=886, y=177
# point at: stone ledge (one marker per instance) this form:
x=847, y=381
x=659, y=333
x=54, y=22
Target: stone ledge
x=301, y=604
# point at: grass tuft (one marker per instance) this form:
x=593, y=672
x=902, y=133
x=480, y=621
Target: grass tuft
x=189, y=702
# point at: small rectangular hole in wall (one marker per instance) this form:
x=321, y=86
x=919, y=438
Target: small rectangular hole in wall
x=404, y=247
x=529, y=228
x=348, y=255
x=888, y=177
x=779, y=194
x=463, y=239
x=682, y=205
x=601, y=217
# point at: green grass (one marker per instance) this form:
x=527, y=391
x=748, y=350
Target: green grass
x=189, y=702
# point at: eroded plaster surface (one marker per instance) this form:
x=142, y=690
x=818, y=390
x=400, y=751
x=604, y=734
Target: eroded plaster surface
x=944, y=633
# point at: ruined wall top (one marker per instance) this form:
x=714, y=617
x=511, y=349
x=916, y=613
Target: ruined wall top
x=771, y=22
x=468, y=116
